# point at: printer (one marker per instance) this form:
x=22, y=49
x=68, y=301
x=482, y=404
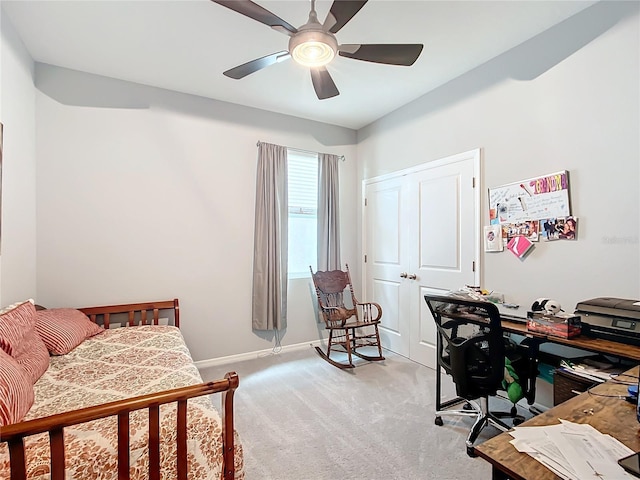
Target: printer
x=616, y=319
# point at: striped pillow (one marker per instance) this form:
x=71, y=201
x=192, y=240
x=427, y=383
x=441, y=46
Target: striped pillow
x=14, y=320
x=16, y=391
x=63, y=329
x=19, y=339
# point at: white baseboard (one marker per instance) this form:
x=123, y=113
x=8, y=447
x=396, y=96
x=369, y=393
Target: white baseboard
x=213, y=362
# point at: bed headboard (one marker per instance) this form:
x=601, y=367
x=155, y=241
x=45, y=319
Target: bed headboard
x=131, y=314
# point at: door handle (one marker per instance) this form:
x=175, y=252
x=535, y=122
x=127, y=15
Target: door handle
x=413, y=276
x=403, y=275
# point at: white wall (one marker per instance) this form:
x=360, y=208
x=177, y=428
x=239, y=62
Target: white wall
x=140, y=204
x=567, y=99
x=18, y=202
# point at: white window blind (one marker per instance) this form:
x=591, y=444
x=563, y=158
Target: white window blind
x=303, y=182
x=302, y=187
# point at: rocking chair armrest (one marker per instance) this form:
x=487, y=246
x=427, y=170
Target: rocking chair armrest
x=366, y=309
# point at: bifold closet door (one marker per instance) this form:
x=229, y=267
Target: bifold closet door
x=421, y=236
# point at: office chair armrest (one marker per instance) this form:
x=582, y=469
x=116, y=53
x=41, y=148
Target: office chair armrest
x=370, y=310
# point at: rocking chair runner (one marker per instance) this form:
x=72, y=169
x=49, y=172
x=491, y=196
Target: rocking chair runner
x=350, y=327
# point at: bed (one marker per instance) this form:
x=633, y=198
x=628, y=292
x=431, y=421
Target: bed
x=126, y=403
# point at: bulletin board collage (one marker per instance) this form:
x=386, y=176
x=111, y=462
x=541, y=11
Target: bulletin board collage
x=529, y=211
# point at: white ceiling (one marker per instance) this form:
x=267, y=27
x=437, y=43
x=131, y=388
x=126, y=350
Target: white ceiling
x=185, y=45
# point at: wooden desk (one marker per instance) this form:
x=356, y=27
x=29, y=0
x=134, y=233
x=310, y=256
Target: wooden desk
x=612, y=416
x=597, y=345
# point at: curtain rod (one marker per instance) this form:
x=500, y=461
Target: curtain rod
x=341, y=157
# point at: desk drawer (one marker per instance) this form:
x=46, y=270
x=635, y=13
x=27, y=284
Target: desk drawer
x=564, y=383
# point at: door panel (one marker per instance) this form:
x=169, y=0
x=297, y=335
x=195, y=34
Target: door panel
x=439, y=223
x=386, y=221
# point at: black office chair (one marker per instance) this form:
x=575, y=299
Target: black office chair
x=471, y=348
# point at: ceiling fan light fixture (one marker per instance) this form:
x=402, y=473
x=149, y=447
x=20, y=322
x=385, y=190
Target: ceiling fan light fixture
x=313, y=48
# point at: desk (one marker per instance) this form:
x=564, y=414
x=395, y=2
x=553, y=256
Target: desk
x=611, y=416
x=533, y=340
x=597, y=345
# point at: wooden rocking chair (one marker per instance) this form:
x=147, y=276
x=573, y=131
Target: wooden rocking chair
x=350, y=327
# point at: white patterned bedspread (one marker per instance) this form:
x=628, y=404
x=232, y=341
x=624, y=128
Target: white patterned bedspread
x=117, y=364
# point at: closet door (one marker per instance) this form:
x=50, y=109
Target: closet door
x=421, y=235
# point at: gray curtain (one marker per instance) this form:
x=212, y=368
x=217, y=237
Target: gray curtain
x=328, y=217
x=269, y=308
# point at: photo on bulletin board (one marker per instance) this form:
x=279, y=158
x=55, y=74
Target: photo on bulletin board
x=536, y=198
x=529, y=229
x=561, y=228
x=493, y=238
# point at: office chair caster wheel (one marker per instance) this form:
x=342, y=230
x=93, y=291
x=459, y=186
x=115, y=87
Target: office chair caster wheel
x=517, y=421
x=467, y=406
x=438, y=421
x=470, y=452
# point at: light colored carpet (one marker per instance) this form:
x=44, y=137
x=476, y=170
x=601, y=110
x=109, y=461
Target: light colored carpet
x=301, y=418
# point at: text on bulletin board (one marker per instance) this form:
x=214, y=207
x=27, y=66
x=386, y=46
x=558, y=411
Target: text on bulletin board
x=532, y=199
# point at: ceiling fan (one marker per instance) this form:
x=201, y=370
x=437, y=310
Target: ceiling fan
x=314, y=44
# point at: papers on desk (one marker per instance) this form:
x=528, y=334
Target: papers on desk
x=592, y=369
x=573, y=451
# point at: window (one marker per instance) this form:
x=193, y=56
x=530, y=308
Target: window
x=303, y=212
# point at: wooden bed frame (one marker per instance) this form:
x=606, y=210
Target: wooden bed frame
x=54, y=424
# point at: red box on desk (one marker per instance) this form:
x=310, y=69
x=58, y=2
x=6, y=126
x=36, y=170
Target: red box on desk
x=565, y=326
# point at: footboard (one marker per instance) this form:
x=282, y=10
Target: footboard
x=54, y=425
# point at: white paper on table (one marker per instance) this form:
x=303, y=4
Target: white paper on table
x=556, y=468
x=578, y=427
x=587, y=455
x=536, y=442
x=533, y=433
x=610, y=471
x=523, y=446
x=573, y=451
x=616, y=448
x=608, y=448
x=551, y=454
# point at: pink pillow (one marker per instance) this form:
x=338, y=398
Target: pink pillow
x=19, y=339
x=16, y=391
x=63, y=329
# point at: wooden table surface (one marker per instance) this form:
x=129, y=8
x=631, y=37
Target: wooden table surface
x=613, y=416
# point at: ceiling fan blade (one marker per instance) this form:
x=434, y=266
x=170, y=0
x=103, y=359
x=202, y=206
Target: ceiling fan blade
x=341, y=12
x=256, y=12
x=248, y=68
x=323, y=83
x=390, y=54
